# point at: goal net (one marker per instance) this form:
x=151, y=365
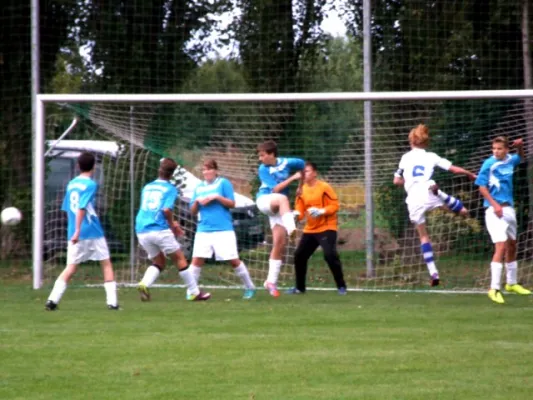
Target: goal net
x=130, y=139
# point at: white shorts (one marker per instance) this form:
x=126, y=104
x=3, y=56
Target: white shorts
x=501, y=229
x=263, y=204
x=158, y=242
x=88, y=249
x=223, y=244
x=424, y=203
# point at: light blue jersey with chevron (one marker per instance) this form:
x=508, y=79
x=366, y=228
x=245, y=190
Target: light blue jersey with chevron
x=214, y=217
x=497, y=176
x=80, y=194
x=155, y=197
x=271, y=175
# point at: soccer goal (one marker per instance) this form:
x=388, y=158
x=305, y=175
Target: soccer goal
x=130, y=133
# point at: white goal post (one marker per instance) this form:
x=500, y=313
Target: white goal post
x=40, y=133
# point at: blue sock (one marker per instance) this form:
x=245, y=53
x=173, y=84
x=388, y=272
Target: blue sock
x=453, y=203
x=427, y=253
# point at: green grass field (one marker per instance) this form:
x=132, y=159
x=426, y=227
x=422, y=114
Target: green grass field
x=316, y=346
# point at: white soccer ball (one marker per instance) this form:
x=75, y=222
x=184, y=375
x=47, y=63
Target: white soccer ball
x=11, y=216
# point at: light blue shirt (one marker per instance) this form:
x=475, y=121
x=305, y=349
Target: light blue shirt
x=214, y=217
x=156, y=196
x=497, y=176
x=271, y=175
x=80, y=195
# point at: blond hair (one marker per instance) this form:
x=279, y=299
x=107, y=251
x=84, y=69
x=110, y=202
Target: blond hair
x=501, y=140
x=419, y=136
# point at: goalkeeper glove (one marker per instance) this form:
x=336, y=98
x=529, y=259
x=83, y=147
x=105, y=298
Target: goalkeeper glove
x=316, y=212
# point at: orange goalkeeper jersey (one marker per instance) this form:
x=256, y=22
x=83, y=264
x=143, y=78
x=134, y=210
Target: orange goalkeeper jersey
x=320, y=195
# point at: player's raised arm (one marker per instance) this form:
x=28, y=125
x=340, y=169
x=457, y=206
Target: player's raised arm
x=461, y=171
x=283, y=185
x=518, y=144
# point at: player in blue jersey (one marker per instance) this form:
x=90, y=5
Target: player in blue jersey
x=495, y=181
x=157, y=232
x=272, y=200
x=85, y=235
x=211, y=202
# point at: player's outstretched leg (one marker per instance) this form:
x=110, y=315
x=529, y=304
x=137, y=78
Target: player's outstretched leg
x=451, y=202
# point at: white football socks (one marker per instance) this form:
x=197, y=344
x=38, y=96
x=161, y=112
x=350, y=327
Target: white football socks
x=111, y=293
x=274, y=267
x=496, y=275
x=190, y=282
x=242, y=272
x=150, y=276
x=57, y=292
x=512, y=273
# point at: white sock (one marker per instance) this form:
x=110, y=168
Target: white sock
x=190, y=282
x=496, y=275
x=274, y=267
x=150, y=276
x=196, y=271
x=111, y=293
x=242, y=272
x=512, y=269
x=288, y=222
x=57, y=292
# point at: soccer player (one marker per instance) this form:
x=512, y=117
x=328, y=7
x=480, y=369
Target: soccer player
x=85, y=235
x=423, y=195
x=157, y=232
x=318, y=203
x=211, y=202
x=272, y=200
x=495, y=181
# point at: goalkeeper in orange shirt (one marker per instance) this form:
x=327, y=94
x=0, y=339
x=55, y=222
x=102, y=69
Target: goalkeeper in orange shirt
x=318, y=203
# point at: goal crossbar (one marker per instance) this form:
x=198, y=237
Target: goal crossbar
x=286, y=97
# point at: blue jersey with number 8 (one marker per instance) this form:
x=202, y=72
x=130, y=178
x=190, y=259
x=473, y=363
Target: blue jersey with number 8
x=155, y=197
x=80, y=195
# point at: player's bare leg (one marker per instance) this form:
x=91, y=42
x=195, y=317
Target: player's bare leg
x=427, y=254
x=279, y=204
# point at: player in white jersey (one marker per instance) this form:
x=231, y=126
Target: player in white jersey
x=85, y=235
x=211, y=202
x=495, y=181
x=157, y=231
x=273, y=201
x=423, y=195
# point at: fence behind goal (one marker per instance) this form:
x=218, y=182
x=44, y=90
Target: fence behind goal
x=131, y=137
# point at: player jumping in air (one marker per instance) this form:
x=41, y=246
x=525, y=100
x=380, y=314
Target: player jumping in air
x=423, y=195
x=272, y=200
x=211, y=202
x=85, y=235
x=157, y=232
x=495, y=181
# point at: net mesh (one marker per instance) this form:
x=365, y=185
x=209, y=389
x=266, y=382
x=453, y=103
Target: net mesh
x=331, y=135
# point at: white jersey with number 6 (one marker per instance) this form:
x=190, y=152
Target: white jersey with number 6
x=416, y=167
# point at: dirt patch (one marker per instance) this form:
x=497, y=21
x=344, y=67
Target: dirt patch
x=355, y=239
